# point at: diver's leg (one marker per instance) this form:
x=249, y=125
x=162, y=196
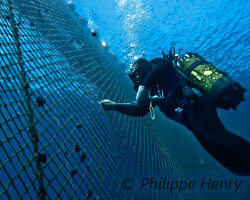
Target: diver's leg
x=227, y=148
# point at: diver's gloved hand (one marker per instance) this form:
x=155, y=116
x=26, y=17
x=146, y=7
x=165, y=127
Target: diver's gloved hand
x=142, y=96
x=107, y=104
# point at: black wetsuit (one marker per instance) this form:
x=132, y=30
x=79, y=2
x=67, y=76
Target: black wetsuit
x=201, y=117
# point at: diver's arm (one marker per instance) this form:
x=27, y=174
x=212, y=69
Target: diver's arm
x=131, y=109
x=141, y=106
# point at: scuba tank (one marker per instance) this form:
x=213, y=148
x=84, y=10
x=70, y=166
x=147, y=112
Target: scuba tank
x=208, y=79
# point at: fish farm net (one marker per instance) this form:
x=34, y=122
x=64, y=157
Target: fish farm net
x=56, y=141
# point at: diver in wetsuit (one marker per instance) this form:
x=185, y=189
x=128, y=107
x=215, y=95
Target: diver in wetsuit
x=187, y=106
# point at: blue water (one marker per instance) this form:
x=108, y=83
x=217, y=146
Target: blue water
x=217, y=30
x=134, y=28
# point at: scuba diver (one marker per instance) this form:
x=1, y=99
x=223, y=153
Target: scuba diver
x=188, y=89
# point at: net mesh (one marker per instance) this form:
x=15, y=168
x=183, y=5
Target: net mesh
x=55, y=139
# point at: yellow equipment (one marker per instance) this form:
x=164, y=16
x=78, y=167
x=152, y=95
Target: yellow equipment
x=210, y=80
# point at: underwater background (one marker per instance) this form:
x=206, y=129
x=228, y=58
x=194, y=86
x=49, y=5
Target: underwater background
x=217, y=30
x=56, y=141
